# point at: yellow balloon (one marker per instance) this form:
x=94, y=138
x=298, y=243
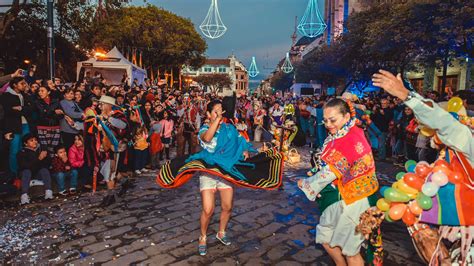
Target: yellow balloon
x=406, y=188
x=427, y=132
x=383, y=205
x=455, y=104
x=412, y=196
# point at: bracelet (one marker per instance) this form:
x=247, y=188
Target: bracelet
x=410, y=96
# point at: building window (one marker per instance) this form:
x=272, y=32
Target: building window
x=451, y=84
x=207, y=69
x=417, y=84
x=236, y=76
x=222, y=69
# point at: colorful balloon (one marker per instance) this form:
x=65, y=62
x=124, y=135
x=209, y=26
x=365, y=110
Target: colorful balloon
x=430, y=189
x=400, y=175
x=427, y=132
x=455, y=115
x=408, y=218
x=397, y=211
x=455, y=104
x=442, y=163
x=382, y=190
x=424, y=201
x=387, y=217
x=395, y=195
x=402, y=186
x=383, y=205
x=408, y=163
x=439, y=179
x=415, y=208
x=441, y=169
x=422, y=169
x=414, y=181
x=455, y=177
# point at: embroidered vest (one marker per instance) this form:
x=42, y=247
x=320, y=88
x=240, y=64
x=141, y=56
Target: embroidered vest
x=350, y=158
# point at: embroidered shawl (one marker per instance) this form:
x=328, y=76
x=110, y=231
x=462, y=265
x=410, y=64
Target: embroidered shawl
x=349, y=156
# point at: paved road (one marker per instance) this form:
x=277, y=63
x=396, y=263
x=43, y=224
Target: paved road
x=155, y=226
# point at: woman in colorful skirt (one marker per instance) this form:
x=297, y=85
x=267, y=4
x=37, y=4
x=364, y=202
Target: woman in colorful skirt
x=224, y=160
x=342, y=184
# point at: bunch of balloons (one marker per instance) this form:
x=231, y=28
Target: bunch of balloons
x=414, y=190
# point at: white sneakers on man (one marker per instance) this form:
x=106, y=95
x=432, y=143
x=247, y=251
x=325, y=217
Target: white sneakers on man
x=48, y=194
x=25, y=199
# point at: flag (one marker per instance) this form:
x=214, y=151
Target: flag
x=172, y=79
x=141, y=62
x=134, y=56
x=152, y=77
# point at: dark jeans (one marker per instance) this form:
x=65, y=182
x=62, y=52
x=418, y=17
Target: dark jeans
x=140, y=159
x=42, y=174
x=61, y=179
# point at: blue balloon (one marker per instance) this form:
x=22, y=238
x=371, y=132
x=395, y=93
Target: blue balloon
x=411, y=168
x=382, y=190
x=455, y=115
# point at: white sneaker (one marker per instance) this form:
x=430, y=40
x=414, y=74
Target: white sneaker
x=25, y=199
x=137, y=172
x=144, y=170
x=48, y=194
x=36, y=182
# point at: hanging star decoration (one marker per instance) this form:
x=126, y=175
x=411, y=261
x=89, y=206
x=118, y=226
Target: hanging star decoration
x=253, y=70
x=287, y=67
x=312, y=23
x=212, y=26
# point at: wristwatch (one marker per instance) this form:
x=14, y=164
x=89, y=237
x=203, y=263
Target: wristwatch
x=410, y=96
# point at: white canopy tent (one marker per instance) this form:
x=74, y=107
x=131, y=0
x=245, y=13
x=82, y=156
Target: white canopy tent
x=112, y=67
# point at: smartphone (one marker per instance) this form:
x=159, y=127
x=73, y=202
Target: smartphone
x=24, y=73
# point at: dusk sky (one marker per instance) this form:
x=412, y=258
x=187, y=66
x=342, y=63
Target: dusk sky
x=260, y=28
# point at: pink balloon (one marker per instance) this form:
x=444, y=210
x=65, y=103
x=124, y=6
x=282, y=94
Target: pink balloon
x=440, y=179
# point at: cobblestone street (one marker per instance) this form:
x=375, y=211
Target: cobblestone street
x=155, y=226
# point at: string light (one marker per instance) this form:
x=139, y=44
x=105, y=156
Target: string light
x=212, y=26
x=253, y=70
x=287, y=67
x=312, y=23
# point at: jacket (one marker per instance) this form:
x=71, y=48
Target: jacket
x=72, y=110
x=12, y=119
x=76, y=156
x=47, y=114
x=28, y=159
x=59, y=166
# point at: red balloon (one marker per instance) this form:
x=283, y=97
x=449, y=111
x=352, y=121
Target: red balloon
x=457, y=167
x=422, y=170
x=408, y=218
x=413, y=180
x=442, y=163
x=456, y=177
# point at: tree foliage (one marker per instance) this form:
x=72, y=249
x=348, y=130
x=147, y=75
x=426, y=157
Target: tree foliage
x=164, y=38
x=216, y=82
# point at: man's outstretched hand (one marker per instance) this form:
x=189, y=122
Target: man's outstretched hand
x=391, y=84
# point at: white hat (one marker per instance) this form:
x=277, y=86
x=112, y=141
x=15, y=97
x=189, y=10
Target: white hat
x=107, y=99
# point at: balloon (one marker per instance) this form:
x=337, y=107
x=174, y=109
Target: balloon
x=424, y=201
x=400, y=175
x=408, y=163
x=411, y=168
x=427, y=132
x=408, y=218
x=455, y=104
x=413, y=196
x=397, y=211
x=442, y=163
x=382, y=190
x=439, y=179
x=441, y=169
x=422, y=169
x=395, y=195
x=387, y=217
x=414, y=181
x=430, y=189
x=383, y=205
x=415, y=208
x=455, y=115
x=402, y=186
x=455, y=177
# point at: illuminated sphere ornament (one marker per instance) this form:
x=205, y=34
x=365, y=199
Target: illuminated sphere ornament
x=212, y=26
x=312, y=24
x=287, y=67
x=253, y=70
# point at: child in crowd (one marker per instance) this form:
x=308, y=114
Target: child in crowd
x=62, y=169
x=155, y=144
x=33, y=162
x=167, y=126
x=76, y=158
x=140, y=149
x=242, y=128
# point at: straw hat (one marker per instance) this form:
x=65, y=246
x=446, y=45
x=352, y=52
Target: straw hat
x=107, y=99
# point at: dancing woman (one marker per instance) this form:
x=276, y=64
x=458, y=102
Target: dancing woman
x=342, y=184
x=224, y=159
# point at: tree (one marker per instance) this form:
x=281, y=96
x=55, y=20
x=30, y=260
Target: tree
x=165, y=39
x=281, y=81
x=216, y=82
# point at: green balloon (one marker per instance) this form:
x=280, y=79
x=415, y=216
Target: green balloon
x=424, y=201
x=400, y=175
x=387, y=217
x=395, y=195
x=409, y=163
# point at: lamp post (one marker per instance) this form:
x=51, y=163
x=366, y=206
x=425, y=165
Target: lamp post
x=50, y=12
